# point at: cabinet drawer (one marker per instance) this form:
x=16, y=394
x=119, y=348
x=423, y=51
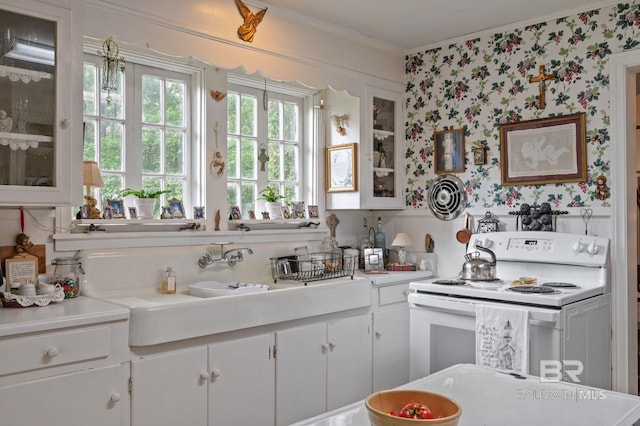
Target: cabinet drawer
x=393, y=294
x=52, y=349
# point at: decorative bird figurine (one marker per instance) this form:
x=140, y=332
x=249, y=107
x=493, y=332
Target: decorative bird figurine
x=248, y=29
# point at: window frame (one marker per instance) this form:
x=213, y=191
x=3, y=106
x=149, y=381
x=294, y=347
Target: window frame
x=308, y=131
x=195, y=145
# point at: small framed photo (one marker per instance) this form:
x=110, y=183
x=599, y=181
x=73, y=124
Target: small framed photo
x=176, y=208
x=252, y=215
x=133, y=213
x=84, y=211
x=106, y=212
x=198, y=212
x=285, y=212
x=313, y=212
x=298, y=210
x=479, y=156
x=449, y=151
x=236, y=214
x=117, y=208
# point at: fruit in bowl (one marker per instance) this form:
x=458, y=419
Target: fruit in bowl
x=406, y=407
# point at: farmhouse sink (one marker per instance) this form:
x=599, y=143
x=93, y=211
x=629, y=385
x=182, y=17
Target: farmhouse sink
x=156, y=319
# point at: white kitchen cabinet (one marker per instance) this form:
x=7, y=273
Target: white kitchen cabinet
x=390, y=348
x=229, y=383
x=97, y=397
x=383, y=153
x=242, y=386
x=391, y=336
x=322, y=366
x=40, y=77
x=170, y=389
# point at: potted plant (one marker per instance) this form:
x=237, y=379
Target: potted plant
x=273, y=201
x=145, y=201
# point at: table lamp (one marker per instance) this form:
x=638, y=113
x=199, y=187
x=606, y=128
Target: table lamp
x=402, y=240
x=91, y=179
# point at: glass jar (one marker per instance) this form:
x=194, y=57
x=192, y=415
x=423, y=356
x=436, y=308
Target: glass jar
x=68, y=273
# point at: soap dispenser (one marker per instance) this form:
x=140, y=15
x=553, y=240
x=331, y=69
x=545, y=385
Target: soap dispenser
x=169, y=282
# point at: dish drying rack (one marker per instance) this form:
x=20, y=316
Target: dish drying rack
x=313, y=267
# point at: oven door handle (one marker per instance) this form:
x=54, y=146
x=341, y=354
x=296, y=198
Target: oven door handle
x=468, y=307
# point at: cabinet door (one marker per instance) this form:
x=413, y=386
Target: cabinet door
x=383, y=155
x=96, y=397
x=390, y=348
x=301, y=373
x=170, y=389
x=349, y=360
x=242, y=382
x=40, y=144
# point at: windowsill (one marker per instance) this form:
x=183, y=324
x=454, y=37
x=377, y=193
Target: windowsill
x=121, y=233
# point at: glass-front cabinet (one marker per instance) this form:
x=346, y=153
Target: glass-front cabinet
x=382, y=183
x=37, y=133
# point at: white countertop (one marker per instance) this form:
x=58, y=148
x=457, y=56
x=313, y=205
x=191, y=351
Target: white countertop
x=492, y=398
x=68, y=313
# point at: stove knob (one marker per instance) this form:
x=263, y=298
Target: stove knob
x=578, y=247
x=593, y=248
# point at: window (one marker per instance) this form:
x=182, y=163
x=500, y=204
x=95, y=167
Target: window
x=141, y=137
x=264, y=145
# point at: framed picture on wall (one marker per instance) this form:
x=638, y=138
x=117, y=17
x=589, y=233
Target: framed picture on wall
x=341, y=171
x=545, y=150
x=449, y=151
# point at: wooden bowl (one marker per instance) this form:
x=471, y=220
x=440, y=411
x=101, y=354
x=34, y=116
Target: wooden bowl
x=445, y=410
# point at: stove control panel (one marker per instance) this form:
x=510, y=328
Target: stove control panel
x=544, y=247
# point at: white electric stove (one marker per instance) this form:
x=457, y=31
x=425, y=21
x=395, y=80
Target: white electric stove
x=569, y=320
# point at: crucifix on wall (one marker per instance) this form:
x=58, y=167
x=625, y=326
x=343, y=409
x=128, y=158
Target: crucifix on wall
x=263, y=158
x=541, y=79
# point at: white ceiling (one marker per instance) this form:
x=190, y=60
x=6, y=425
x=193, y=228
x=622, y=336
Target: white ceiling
x=409, y=24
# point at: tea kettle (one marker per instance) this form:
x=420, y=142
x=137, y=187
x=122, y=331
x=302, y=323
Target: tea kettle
x=478, y=269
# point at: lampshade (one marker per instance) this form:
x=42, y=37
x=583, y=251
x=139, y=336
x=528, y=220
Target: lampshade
x=402, y=239
x=91, y=175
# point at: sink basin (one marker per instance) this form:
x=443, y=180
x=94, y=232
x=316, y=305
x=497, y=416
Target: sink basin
x=157, y=319
x=216, y=288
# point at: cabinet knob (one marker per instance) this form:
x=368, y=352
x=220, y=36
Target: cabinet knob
x=378, y=333
x=216, y=372
x=115, y=397
x=204, y=375
x=332, y=345
x=325, y=347
x=65, y=123
x=51, y=351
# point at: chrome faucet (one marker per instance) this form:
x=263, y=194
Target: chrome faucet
x=230, y=257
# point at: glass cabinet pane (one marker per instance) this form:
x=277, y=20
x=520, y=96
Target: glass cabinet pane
x=27, y=100
x=384, y=173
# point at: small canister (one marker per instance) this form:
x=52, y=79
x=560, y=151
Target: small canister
x=68, y=274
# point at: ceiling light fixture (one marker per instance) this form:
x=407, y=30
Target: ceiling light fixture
x=111, y=65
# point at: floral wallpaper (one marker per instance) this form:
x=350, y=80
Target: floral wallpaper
x=484, y=82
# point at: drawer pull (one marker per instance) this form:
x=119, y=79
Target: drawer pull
x=378, y=333
x=52, y=351
x=115, y=397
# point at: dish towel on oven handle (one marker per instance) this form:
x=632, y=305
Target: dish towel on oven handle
x=502, y=338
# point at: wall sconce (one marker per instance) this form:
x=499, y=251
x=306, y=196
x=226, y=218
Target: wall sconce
x=91, y=178
x=402, y=240
x=111, y=64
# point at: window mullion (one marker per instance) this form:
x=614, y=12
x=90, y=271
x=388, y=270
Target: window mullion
x=133, y=127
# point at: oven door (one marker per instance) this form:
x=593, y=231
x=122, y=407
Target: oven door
x=442, y=333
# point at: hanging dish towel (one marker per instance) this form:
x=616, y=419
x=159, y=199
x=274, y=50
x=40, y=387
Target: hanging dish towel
x=502, y=338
